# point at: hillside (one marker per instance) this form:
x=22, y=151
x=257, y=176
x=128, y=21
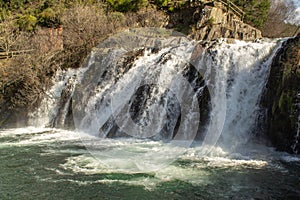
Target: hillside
x=38, y=37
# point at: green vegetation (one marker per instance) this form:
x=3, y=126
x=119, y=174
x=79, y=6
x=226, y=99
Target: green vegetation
x=211, y=21
x=256, y=11
x=29, y=14
x=27, y=22
x=127, y=5
x=47, y=13
x=170, y=5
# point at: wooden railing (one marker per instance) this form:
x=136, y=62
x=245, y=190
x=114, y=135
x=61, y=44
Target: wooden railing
x=234, y=8
x=10, y=54
x=226, y=3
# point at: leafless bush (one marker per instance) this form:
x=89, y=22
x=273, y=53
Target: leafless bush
x=23, y=74
x=24, y=78
x=84, y=28
x=147, y=17
x=275, y=26
x=11, y=39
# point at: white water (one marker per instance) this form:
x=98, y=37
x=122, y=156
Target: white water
x=114, y=98
x=235, y=75
x=297, y=137
x=238, y=74
x=79, y=162
x=51, y=107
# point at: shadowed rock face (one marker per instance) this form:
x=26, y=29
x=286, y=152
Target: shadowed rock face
x=282, y=98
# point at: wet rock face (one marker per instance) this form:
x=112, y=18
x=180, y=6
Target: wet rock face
x=282, y=98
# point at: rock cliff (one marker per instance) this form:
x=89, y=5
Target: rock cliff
x=282, y=98
x=213, y=20
x=216, y=21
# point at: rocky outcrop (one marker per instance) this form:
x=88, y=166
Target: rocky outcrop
x=212, y=20
x=216, y=21
x=282, y=98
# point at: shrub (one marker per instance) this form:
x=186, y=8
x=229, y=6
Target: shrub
x=169, y=5
x=116, y=19
x=27, y=22
x=127, y=5
x=277, y=15
x=48, y=18
x=162, y=3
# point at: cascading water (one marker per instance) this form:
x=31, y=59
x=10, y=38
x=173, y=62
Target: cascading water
x=149, y=90
x=239, y=72
x=138, y=103
x=54, y=108
x=154, y=91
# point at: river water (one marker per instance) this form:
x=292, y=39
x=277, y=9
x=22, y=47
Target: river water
x=41, y=163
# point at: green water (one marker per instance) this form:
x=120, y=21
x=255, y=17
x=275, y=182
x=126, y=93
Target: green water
x=54, y=164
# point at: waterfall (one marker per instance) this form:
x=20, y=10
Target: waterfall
x=55, y=106
x=238, y=74
x=297, y=136
x=144, y=97
x=158, y=92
